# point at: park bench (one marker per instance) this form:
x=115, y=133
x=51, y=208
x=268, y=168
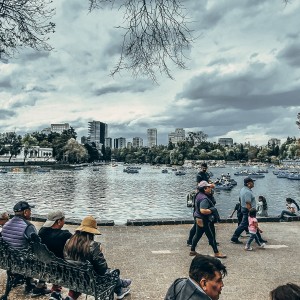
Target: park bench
x=38, y=262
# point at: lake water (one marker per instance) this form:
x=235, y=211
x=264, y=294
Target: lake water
x=111, y=194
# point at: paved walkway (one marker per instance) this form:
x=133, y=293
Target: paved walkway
x=153, y=256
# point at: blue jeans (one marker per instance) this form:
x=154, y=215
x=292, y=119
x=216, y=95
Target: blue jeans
x=252, y=237
x=243, y=225
x=286, y=212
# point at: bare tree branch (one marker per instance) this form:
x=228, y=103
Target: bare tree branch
x=156, y=34
x=25, y=23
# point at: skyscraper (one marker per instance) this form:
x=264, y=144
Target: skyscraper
x=97, y=133
x=152, y=137
x=137, y=142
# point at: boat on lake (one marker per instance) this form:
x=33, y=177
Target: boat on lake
x=164, y=170
x=180, y=173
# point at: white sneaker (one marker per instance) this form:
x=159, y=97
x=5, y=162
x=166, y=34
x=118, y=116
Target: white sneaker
x=263, y=245
x=248, y=248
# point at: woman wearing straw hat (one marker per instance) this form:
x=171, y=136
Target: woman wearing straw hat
x=82, y=247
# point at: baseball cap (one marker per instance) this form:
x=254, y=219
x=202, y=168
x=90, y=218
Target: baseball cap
x=52, y=217
x=22, y=205
x=204, y=183
x=248, y=179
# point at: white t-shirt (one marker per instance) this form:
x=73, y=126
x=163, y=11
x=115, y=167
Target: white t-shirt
x=293, y=205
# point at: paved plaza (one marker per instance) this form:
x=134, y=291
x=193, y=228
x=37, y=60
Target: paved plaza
x=153, y=256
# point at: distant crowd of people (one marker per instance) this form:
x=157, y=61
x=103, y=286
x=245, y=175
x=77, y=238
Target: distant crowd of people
x=206, y=273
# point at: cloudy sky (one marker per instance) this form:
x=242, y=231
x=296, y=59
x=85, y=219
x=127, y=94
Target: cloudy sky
x=242, y=81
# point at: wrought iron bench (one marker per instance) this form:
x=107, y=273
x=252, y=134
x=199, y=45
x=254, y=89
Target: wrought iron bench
x=38, y=262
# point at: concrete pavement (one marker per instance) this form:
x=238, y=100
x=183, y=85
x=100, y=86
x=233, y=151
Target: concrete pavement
x=153, y=256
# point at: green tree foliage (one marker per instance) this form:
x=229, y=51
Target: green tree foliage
x=12, y=144
x=28, y=142
x=74, y=152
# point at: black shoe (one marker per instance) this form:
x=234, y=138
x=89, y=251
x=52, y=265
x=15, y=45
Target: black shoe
x=56, y=296
x=236, y=241
x=29, y=288
x=40, y=291
x=263, y=241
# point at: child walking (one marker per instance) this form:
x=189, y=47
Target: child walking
x=253, y=229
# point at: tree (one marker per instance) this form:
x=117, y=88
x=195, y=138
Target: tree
x=156, y=33
x=74, y=151
x=13, y=144
x=28, y=142
x=24, y=23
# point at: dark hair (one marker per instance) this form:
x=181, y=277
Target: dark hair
x=252, y=212
x=204, y=165
x=264, y=201
x=290, y=200
x=204, y=266
x=289, y=291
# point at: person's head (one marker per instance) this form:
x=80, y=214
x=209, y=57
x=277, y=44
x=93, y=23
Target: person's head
x=55, y=219
x=205, y=187
x=289, y=291
x=4, y=217
x=249, y=182
x=23, y=209
x=208, y=272
x=78, y=246
x=252, y=213
x=204, y=167
x=264, y=201
x=289, y=200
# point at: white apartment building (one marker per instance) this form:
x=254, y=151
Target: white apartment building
x=137, y=142
x=225, y=141
x=59, y=128
x=120, y=143
x=177, y=136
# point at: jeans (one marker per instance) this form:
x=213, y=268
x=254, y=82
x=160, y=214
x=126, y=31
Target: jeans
x=243, y=225
x=252, y=237
x=208, y=229
x=286, y=212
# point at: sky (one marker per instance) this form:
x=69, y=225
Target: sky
x=242, y=79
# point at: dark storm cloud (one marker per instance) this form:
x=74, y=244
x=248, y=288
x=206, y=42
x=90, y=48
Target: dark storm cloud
x=291, y=54
x=6, y=114
x=5, y=83
x=133, y=88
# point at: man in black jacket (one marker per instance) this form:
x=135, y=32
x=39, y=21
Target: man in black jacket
x=205, y=280
x=203, y=174
x=54, y=237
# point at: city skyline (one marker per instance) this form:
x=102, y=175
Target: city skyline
x=241, y=82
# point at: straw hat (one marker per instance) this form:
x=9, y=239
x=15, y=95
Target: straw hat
x=89, y=224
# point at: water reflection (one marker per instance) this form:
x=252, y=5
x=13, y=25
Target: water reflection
x=111, y=194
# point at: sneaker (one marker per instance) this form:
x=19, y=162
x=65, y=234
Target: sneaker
x=56, y=296
x=262, y=246
x=248, y=248
x=126, y=283
x=263, y=241
x=236, y=241
x=189, y=244
x=40, y=291
x=193, y=253
x=123, y=293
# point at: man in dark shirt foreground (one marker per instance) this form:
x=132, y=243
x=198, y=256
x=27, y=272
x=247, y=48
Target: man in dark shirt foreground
x=54, y=237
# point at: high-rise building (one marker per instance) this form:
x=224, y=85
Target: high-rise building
x=152, y=137
x=225, y=141
x=120, y=143
x=177, y=136
x=137, y=142
x=97, y=133
x=59, y=128
x=108, y=142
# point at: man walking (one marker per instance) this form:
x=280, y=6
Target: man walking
x=54, y=237
x=205, y=280
x=17, y=233
x=203, y=174
x=247, y=202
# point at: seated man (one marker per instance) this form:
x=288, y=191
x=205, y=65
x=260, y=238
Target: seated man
x=205, y=280
x=55, y=238
x=17, y=232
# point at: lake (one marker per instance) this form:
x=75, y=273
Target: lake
x=111, y=194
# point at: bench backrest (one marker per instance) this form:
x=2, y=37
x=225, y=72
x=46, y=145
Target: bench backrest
x=38, y=262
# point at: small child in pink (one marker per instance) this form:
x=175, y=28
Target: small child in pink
x=253, y=229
